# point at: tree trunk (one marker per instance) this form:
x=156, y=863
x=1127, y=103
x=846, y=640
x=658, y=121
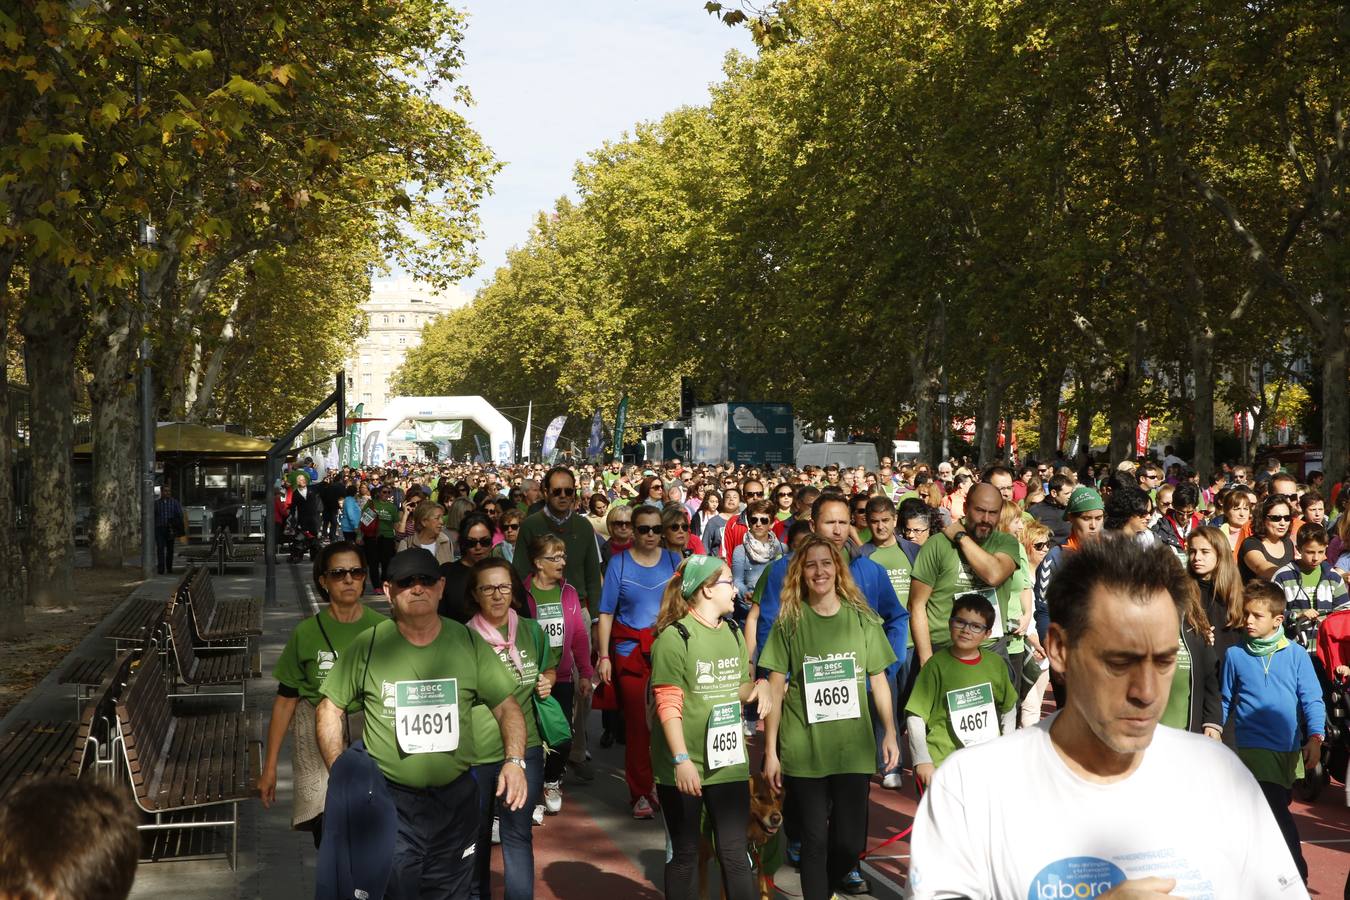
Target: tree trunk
x=1052, y=382
x=131, y=475
x=1124, y=404
x=993, y=397
x=11, y=597
x=1335, y=402
x=112, y=401
x=201, y=402
x=51, y=324
x=1202, y=374
x=1008, y=439
x=926, y=380
x=1083, y=431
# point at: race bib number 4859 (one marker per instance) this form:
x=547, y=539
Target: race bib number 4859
x=426, y=715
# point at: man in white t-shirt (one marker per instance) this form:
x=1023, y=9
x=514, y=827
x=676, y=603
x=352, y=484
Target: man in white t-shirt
x=1099, y=800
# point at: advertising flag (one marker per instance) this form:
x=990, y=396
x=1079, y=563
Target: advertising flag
x=619, y=418
x=551, y=435
x=597, y=435
x=525, y=442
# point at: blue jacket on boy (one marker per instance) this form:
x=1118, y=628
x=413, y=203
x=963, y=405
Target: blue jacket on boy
x=1268, y=695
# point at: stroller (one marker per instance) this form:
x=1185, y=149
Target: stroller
x=1332, y=645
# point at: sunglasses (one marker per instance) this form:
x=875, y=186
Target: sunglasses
x=1041, y=545
x=476, y=542
x=563, y=492
x=1278, y=518
x=621, y=523
x=678, y=526
x=760, y=520
x=648, y=529
x=754, y=494
x=782, y=494
x=356, y=573
x=511, y=526
x=423, y=580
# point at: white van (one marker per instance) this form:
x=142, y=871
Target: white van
x=840, y=453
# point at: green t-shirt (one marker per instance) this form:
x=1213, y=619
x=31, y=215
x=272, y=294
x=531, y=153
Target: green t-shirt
x=864, y=534
x=387, y=513
x=1177, y=713
x=940, y=566
x=314, y=647
x=826, y=747
x=487, y=736
x=710, y=670
x=455, y=654
x=900, y=570
x=946, y=684
x=1018, y=581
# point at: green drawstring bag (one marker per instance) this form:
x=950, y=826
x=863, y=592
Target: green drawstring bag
x=555, y=725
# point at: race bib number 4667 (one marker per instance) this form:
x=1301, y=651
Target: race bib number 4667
x=426, y=715
x=973, y=715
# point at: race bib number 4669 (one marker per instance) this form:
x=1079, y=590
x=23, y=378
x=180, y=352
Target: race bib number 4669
x=426, y=715
x=831, y=689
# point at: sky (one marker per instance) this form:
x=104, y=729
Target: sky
x=554, y=79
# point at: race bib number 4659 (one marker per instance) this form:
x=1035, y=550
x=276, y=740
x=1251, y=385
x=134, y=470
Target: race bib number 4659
x=426, y=715
x=831, y=689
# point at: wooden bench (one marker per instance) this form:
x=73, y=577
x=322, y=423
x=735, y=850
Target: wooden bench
x=178, y=762
x=134, y=622
x=86, y=673
x=218, y=668
x=35, y=749
x=221, y=620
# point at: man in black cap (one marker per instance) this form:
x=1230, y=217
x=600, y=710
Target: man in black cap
x=415, y=678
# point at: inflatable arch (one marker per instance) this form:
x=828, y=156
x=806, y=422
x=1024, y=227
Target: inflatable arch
x=501, y=435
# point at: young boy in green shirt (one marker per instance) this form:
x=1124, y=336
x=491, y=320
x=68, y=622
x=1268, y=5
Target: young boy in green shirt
x=962, y=697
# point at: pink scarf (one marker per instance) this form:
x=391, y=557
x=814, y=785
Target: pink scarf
x=490, y=633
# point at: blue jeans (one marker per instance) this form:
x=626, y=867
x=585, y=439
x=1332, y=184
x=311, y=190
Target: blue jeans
x=517, y=842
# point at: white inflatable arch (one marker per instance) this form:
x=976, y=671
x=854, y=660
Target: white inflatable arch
x=501, y=435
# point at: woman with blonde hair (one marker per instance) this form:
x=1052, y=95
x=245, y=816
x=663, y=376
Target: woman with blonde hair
x=819, y=741
x=428, y=533
x=701, y=676
x=1033, y=669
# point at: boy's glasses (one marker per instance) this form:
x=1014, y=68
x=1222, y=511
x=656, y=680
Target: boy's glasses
x=967, y=625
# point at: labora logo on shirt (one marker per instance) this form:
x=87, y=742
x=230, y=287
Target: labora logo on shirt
x=1075, y=877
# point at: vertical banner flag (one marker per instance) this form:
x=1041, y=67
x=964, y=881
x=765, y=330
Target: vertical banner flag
x=551, y=437
x=482, y=448
x=1141, y=436
x=1063, y=430
x=619, y=419
x=597, y=435
x=354, y=437
x=525, y=442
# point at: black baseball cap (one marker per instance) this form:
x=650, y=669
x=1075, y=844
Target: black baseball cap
x=413, y=561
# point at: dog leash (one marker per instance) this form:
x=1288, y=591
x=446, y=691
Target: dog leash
x=898, y=837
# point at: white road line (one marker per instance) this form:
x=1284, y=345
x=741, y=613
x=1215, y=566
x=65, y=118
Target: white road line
x=871, y=872
x=1329, y=841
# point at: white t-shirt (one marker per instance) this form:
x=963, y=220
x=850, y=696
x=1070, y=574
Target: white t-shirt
x=1009, y=820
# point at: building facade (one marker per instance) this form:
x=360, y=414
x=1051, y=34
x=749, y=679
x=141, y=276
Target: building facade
x=396, y=310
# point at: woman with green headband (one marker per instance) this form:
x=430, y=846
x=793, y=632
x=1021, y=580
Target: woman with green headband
x=700, y=677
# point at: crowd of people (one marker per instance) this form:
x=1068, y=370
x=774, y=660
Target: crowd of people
x=850, y=625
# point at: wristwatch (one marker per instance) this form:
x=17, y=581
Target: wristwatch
x=956, y=538
x=679, y=758
x=517, y=761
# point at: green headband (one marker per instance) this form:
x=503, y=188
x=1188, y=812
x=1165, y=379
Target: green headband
x=698, y=569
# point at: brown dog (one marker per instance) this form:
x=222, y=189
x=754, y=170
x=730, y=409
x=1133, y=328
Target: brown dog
x=766, y=818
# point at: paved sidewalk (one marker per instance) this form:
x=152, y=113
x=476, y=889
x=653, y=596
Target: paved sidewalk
x=594, y=849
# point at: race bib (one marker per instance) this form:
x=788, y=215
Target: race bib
x=831, y=689
x=972, y=713
x=426, y=715
x=550, y=618
x=726, y=746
